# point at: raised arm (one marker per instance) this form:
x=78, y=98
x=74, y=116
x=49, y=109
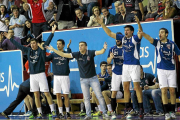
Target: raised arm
x=109, y=59
x=107, y=30
x=102, y=50
x=17, y=44
x=66, y=55
x=50, y=36
x=139, y=27
x=146, y=36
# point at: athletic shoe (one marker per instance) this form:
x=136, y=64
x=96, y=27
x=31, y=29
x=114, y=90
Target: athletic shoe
x=106, y=116
x=136, y=113
x=31, y=116
x=158, y=114
x=99, y=113
x=87, y=118
x=141, y=115
x=28, y=113
x=127, y=111
x=82, y=113
x=109, y=113
x=53, y=114
x=39, y=116
x=61, y=116
x=5, y=115
x=113, y=115
x=148, y=114
x=167, y=116
x=173, y=115
x=68, y=116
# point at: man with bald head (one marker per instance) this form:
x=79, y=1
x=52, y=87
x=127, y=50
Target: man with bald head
x=6, y=44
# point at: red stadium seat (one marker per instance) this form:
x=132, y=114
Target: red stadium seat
x=149, y=19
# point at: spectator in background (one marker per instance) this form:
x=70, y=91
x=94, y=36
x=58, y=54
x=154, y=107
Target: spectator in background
x=130, y=10
x=137, y=9
x=53, y=20
x=27, y=32
x=18, y=3
x=160, y=9
x=116, y=17
x=4, y=2
x=7, y=22
x=10, y=3
x=169, y=11
x=50, y=11
x=65, y=14
x=38, y=17
x=3, y=16
x=46, y=4
x=108, y=17
x=87, y=5
x=6, y=44
x=11, y=12
x=152, y=8
x=82, y=20
x=96, y=13
x=122, y=17
x=176, y=4
x=17, y=23
x=27, y=10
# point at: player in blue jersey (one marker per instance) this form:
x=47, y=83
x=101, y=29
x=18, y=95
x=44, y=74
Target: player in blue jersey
x=36, y=57
x=61, y=72
x=131, y=64
x=166, y=71
x=88, y=77
x=116, y=55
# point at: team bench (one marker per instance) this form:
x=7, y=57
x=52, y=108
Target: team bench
x=74, y=103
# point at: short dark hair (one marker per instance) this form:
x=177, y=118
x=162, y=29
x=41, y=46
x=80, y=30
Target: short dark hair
x=78, y=9
x=55, y=12
x=109, y=65
x=166, y=31
x=83, y=42
x=141, y=66
x=130, y=27
x=34, y=39
x=119, y=33
x=14, y=8
x=104, y=8
x=103, y=62
x=62, y=41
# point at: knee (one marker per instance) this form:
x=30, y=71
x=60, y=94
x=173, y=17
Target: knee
x=66, y=96
x=163, y=91
x=47, y=94
x=172, y=91
x=58, y=95
x=103, y=93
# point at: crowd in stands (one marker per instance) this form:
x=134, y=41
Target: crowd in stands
x=16, y=16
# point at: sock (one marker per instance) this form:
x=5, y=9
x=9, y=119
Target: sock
x=113, y=104
x=173, y=107
x=126, y=105
x=99, y=107
x=39, y=110
x=93, y=107
x=141, y=105
x=52, y=107
x=61, y=110
x=109, y=107
x=130, y=105
x=165, y=108
x=67, y=109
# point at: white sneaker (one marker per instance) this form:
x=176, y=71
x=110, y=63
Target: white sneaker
x=173, y=115
x=28, y=113
x=113, y=114
x=87, y=118
x=105, y=116
x=129, y=116
x=167, y=116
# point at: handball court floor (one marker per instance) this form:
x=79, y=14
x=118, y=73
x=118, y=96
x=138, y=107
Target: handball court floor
x=21, y=117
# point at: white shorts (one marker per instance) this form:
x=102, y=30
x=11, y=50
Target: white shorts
x=131, y=72
x=38, y=81
x=167, y=78
x=116, y=82
x=61, y=83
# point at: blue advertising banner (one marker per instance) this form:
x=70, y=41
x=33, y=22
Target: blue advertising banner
x=95, y=38
x=11, y=76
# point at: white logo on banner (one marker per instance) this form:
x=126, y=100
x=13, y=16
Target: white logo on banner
x=12, y=85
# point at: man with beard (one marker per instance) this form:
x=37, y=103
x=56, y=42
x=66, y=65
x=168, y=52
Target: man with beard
x=115, y=54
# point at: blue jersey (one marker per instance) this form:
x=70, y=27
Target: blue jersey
x=117, y=60
x=131, y=48
x=103, y=76
x=164, y=52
